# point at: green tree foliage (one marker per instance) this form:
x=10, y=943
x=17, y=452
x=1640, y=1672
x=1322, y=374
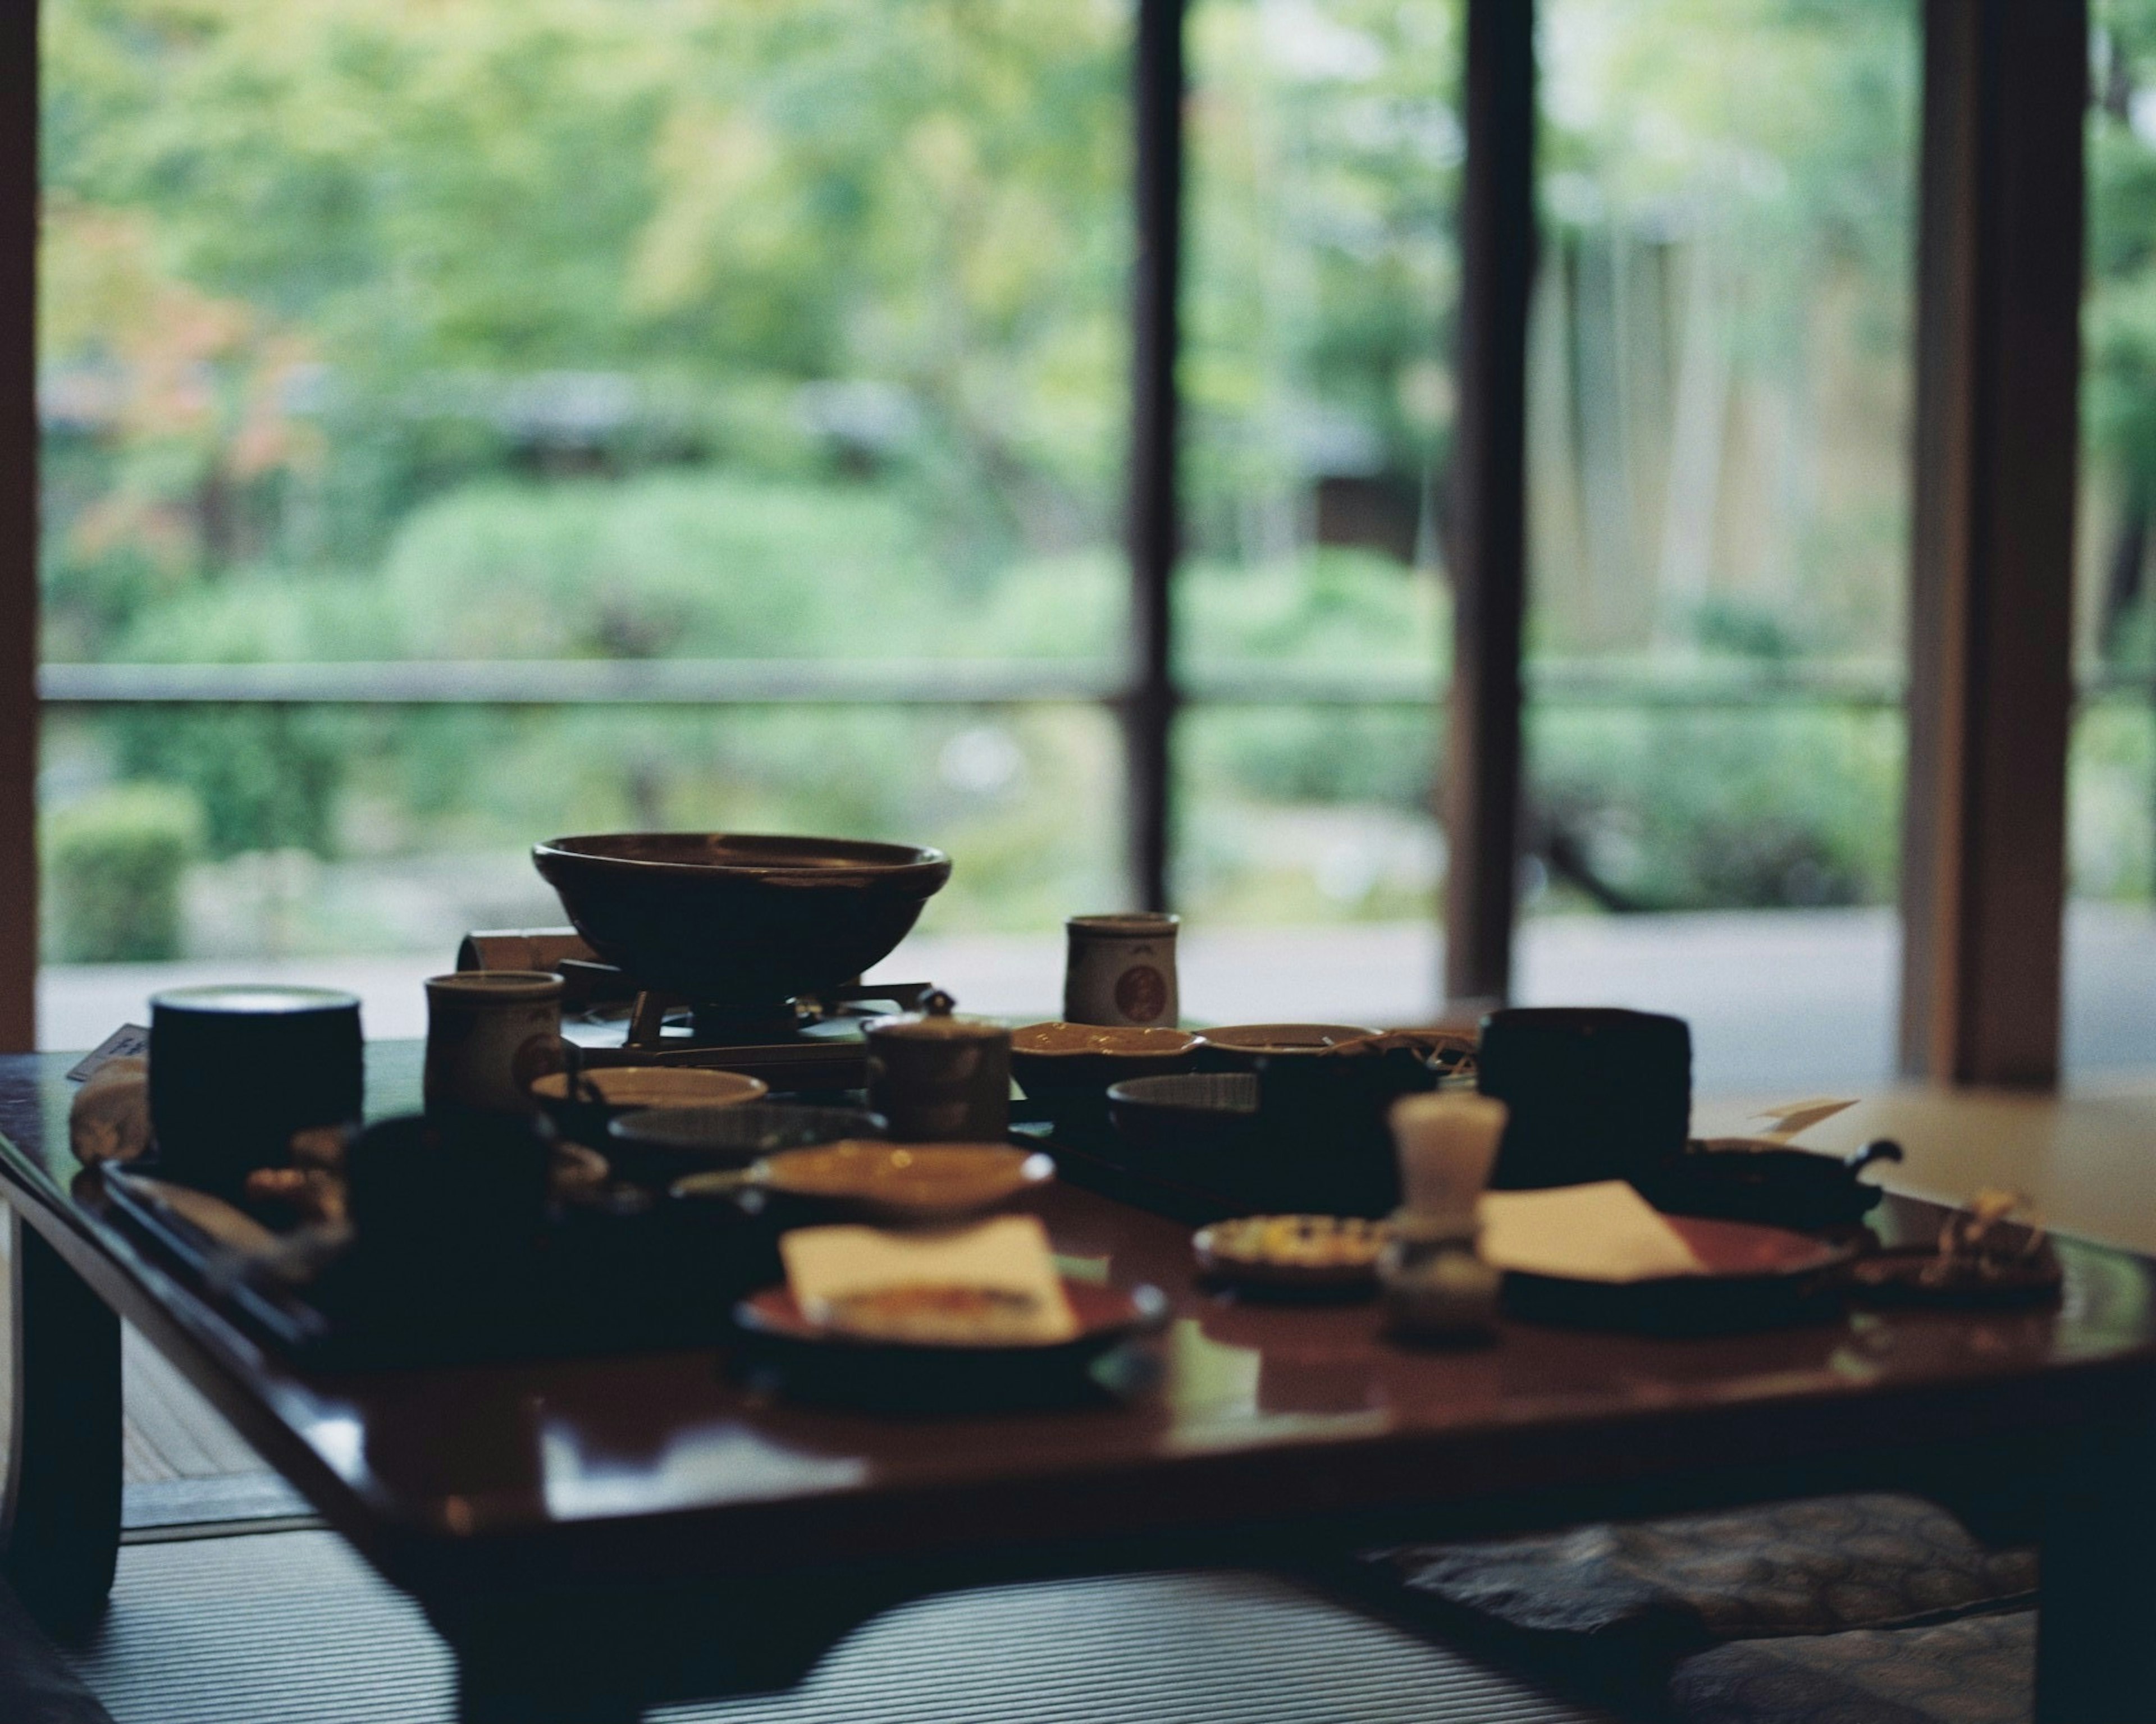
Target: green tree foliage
x=455, y=329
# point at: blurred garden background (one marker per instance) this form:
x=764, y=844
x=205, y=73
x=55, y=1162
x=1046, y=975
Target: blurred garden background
x=449, y=333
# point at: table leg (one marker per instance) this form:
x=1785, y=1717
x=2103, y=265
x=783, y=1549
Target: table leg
x=492, y=1690
x=60, y=1525
x=597, y=1657
x=2095, y=1628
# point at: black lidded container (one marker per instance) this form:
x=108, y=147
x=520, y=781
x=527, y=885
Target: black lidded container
x=234, y=1071
x=1594, y=1092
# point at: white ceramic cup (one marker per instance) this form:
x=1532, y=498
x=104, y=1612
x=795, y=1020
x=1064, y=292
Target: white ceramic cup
x=489, y=1033
x=1121, y=970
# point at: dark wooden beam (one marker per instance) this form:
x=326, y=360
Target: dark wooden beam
x=1155, y=514
x=1483, y=752
x=1991, y=610
x=19, y=526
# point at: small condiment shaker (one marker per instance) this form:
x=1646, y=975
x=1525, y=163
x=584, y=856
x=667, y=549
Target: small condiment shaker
x=1122, y=969
x=489, y=1033
x=1447, y=1143
x=938, y=1077
x=1435, y=1284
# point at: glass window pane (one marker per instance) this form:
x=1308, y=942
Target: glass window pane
x=2111, y=920
x=1324, y=151
x=536, y=331
x=1720, y=383
x=364, y=843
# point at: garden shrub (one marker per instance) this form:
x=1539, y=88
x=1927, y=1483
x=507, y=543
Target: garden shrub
x=114, y=864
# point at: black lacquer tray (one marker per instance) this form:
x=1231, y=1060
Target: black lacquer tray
x=592, y=1281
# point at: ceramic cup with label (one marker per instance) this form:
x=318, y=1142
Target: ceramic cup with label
x=489, y=1033
x=1122, y=969
x=938, y=1077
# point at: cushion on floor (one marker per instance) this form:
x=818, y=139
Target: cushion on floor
x=1620, y=1603
x=36, y=1687
x=1980, y=1670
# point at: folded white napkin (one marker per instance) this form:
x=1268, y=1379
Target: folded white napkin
x=1604, y=1232
x=1010, y=1254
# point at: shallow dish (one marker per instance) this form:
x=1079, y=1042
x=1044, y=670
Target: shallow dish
x=1239, y=1047
x=1056, y=1064
x=903, y=1181
x=739, y=918
x=582, y=1107
x=657, y=1145
x=1287, y=1251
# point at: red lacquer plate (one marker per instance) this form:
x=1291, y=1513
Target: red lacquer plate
x=1757, y=1278
x=782, y=1350
x=1744, y=1247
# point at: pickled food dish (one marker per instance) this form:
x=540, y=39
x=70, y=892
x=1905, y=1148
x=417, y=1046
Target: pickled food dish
x=1309, y=1251
x=931, y=1315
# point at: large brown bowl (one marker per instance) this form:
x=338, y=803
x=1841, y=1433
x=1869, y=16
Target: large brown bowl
x=737, y=918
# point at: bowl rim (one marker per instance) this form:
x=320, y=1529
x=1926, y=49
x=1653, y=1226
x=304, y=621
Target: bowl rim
x=1243, y=1037
x=861, y=1122
x=1190, y=1041
x=1135, y=1092
x=756, y=1089
x=860, y=859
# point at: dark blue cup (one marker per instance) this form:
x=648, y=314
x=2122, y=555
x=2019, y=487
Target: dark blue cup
x=234, y=1071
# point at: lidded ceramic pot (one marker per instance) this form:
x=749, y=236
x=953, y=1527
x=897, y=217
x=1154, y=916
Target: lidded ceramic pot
x=939, y=1077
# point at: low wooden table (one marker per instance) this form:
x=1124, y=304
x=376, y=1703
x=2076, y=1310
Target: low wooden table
x=595, y=1536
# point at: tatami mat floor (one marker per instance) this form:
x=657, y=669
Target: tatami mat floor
x=292, y=1628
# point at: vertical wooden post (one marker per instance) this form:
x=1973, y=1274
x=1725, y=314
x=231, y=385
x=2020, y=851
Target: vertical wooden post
x=1991, y=610
x=1483, y=748
x=60, y=1513
x=18, y=526
x=1155, y=514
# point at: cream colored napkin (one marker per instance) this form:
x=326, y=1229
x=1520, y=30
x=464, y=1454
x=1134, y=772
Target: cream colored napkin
x=1604, y=1232
x=1010, y=1254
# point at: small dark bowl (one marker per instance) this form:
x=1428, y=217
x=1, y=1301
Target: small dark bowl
x=1186, y=1112
x=446, y=1184
x=737, y=918
x=661, y=1145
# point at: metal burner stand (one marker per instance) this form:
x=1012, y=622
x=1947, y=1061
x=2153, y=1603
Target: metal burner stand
x=803, y=1043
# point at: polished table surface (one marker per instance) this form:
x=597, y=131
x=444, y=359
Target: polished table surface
x=466, y=1480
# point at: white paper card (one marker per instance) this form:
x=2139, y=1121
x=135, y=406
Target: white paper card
x=1604, y=1232
x=129, y=1038
x=1010, y=1254
x=1787, y=1119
